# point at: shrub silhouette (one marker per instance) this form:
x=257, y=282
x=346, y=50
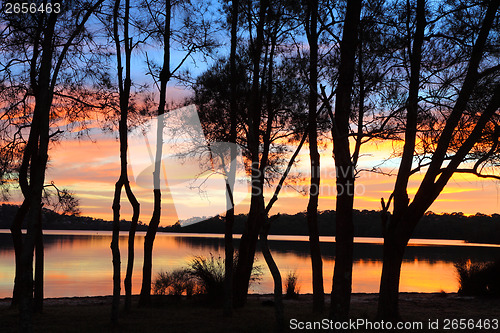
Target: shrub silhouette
x=478, y=279
x=209, y=273
x=178, y=282
x=292, y=288
x=204, y=275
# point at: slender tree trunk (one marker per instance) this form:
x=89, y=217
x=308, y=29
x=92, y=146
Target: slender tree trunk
x=228, y=236
x=39, y=136
x=253, y=225
x=165, y=74
x=17, y=239
x=131, y=238
x=38, y=165
x=394, y=243
x=228, y=264
x=228, y=232
x=246, y=253
x=275, y=273
x=115, y=250
x=312, y=207
x=342, y=280
x=124, y=84
x=39, y=267
x=145, y=297
x=17, y=235
x=115, y=239
x=43, y=78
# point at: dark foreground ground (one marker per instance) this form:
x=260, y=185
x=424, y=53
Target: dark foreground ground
x=91, y=314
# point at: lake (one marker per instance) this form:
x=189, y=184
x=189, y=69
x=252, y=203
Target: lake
x=78, y=263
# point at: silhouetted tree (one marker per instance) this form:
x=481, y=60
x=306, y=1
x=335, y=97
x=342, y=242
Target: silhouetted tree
x=124, y=86
x=342, y=280
x=164, y=77
x=311, y=27
x=51, y=39
x=274, y=106
x=456, y=122
x=230, y=179
x=246, y=252
x=190, y=35
x=358, y=75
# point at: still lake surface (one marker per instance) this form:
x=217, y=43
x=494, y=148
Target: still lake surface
x=78, y=263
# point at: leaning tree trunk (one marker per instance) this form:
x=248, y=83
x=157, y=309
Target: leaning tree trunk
x=145, y=297
x=398, y=230
x=246, y=253
x=253, y=225
x=275, y=272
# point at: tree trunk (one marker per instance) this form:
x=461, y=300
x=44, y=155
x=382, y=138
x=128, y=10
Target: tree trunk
x=39, y=133
x=17, y=240
x=246, y=253
x=342, y=279
x=115, y=250
x=124, y=84
x=38, y=165
x=253, y=225
x=131, y=248
x=39, y=266
x=165, y=74
x=278, y=284
x=312, y=207
x=228, y=236
x=342, y=275
x=228, y=264
x=389, y=282
x=26, y=292
x=145, y=297
x=394, y=241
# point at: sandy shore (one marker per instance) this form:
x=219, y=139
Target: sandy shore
x=91, y=314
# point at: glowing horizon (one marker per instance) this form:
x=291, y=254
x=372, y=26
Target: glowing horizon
x=90, y=169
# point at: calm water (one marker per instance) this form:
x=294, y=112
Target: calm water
x=78, y=263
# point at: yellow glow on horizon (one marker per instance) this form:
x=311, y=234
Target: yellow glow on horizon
x=90, y=170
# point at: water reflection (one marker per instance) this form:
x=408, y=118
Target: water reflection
x=78, y=263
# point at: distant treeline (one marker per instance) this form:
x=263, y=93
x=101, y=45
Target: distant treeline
x=54, y=221
x=367, y=223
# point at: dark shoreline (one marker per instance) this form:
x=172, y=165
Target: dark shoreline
x=174, y=314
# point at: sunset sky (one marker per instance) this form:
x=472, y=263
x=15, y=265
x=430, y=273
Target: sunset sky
x=90, y=169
